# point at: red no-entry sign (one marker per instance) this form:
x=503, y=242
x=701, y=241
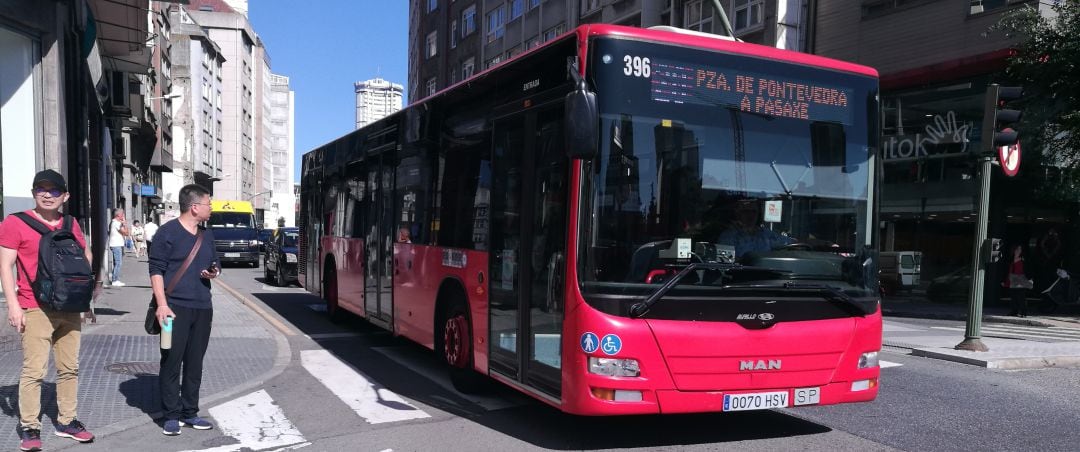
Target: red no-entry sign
x=1009, y=157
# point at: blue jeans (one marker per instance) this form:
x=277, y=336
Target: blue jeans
x=118, y=261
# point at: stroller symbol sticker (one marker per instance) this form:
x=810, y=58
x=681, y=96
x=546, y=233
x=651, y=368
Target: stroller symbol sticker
x=611, y=344
x=589, y=342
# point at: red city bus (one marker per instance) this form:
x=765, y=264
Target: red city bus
x=621, y=221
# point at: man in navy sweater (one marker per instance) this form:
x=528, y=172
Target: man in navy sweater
x=188, y=304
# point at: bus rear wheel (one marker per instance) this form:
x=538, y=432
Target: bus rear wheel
x=330, y=295
x=457, y=350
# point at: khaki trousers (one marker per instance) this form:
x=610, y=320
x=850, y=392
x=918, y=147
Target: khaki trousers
x=45, y=330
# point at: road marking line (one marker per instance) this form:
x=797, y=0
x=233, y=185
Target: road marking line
x=369, y=400
x=320, y=336
x=886, y=364
x=257, y=423
x=258, y=309
x=437, y=374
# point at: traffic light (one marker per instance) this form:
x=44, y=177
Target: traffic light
x=997, y=119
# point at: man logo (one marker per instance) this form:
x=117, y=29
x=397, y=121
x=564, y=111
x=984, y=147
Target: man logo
x=772, y=364
x=766, y=316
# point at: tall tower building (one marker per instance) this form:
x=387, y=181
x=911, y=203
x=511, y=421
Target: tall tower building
x=376, y=99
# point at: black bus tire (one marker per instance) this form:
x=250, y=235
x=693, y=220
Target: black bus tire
x=456, y=339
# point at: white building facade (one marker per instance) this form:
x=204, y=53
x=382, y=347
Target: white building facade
x=282, y=209
x=376, y=99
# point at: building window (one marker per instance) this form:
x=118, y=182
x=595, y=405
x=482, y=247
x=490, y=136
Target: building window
x=534, y=3
x=513, y=52
x=453, y=34
x=698, y=16
x=432, y=5
x=517, y=8
x=532, y=42
x=589, y=6
x=432, y=47
x=747, y=13
x=496, y=19
x=431, y=87
x=552, y=32
x=493, y=62
x=468, y=20
x=468, y=67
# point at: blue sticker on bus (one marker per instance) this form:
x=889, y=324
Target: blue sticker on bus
x=611, y=344
x=589, y=342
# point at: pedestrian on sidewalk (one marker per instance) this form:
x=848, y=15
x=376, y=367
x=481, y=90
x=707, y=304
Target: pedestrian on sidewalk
x=148, y=231
x=189, y=305
x=139, y=235
x=1018, y=283
x=117, y=232
x=42, y=328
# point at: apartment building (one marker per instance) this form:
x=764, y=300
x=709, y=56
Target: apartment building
x=450, y=40
x=282, y=209
x=197, y=112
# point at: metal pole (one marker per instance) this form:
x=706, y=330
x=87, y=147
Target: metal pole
x=973, y=330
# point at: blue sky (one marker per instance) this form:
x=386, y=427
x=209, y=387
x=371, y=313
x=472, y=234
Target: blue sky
x=324, y=47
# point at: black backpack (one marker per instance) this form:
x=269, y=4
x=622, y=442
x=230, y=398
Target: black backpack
x=64, y=279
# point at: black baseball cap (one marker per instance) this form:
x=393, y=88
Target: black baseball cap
x=51, y=176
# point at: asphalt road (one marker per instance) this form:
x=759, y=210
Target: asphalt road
x=335, y=391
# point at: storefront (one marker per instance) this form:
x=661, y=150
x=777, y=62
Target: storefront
x=930, y=189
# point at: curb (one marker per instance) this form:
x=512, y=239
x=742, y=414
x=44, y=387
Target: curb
x=1002, y=363
x=281, y=361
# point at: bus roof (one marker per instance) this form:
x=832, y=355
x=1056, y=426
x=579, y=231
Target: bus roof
x=231, y=206
x=724, y=44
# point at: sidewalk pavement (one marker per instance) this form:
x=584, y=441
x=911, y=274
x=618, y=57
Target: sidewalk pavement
x=118, y=362
x=1005, y=353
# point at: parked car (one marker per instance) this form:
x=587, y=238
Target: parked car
x=279, y=265
x=899, y=270
x=264, y=236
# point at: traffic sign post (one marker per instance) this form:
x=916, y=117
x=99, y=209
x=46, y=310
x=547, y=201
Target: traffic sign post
x=995, y=137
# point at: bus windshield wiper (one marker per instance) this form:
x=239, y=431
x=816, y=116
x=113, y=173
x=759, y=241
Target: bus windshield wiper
x=642, y=307
x=830, y=293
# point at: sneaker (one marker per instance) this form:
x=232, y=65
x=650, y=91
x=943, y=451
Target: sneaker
x=76, y=431
x=31, y=439
x=118, y=284
x=171, y=428
x=196, y=423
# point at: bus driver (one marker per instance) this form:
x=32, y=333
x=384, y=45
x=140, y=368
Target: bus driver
x=746, y=233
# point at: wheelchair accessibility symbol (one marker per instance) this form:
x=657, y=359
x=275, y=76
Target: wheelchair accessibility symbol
x=611, y=344
x=589, y=342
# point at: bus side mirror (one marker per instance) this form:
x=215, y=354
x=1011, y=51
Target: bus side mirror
x=580, y=123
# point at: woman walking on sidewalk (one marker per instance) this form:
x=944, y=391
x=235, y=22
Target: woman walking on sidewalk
x=1018, y=283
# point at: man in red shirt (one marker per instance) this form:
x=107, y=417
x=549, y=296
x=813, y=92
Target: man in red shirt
x=42, y=329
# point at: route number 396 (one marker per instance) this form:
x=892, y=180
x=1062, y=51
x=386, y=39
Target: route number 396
x=636, y=66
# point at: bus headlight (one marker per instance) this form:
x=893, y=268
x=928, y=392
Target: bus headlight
x=290, y=258
x=612, y=367
x=868, y=360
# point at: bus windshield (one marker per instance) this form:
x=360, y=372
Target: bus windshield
x=231, y=220
x=708, y=157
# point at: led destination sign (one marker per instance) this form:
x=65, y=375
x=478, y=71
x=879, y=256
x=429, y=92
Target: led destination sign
x=772, y=95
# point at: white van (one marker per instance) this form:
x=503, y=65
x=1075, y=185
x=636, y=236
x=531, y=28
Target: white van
x=899, y=270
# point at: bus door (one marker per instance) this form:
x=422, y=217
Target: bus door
x=379, y=242
x=528, y=234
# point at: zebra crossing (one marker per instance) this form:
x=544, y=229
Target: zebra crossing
x=1030, y=333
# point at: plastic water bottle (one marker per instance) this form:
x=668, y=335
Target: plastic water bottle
x=166, y=333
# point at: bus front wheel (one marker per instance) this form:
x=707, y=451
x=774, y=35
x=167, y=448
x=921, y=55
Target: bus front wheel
x=457, y=349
